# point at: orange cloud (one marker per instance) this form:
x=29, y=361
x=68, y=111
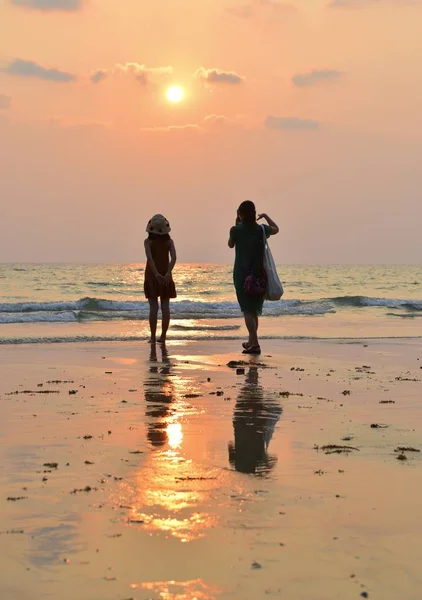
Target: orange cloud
x=219, y=77
x=139, y=71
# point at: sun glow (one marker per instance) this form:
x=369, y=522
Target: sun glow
x=175, y=94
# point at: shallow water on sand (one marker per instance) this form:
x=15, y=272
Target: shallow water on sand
x=86, y=303
x=180, y=477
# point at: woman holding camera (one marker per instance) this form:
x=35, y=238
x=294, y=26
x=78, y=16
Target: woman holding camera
x=247, y=237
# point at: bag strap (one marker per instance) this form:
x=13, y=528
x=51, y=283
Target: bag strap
x=264, y=235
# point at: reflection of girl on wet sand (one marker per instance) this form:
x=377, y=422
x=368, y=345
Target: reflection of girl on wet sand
x=253, y=422
x=159, y=397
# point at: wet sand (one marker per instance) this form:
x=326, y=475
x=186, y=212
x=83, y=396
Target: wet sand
x=125, y=475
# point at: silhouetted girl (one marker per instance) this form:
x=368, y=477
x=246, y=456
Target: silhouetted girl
x=161, y=258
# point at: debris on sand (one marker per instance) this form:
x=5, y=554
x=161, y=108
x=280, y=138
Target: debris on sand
x=402, y=457
x=16, y=498
x=86, y=489
x=12, y=532
x=88, y=437
x=136, y=452
x=240, y=371
x=72, y=392
x=233, y=364
x=256, y=565
x=406, y=379
x=335, y=449
x=387, y=401
x=346, y=392
x=378, y=426
x=51, y=465
x=364, y=369
x=406, y=449
x=33, y=392
x=236, y=363
x=195, y=478
x=192, y=396
x=136, y=521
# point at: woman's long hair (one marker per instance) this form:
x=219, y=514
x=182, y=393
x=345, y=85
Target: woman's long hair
x=247, y=212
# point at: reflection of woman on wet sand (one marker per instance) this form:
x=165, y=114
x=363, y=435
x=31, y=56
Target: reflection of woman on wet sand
x=159, y=397
x=253, y=422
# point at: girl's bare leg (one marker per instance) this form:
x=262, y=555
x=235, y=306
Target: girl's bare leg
x=165, y=313
x=153, y=315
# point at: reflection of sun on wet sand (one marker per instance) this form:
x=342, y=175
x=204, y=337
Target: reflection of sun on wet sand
x=180, y=590
x=168, y=488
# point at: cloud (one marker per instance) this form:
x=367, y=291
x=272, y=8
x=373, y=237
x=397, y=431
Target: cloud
x=45, y=5
x=218, y=76
x=63, y=123
x=363, y=3
x=351, y=3
x=211, y=122
x=140, y=72
x=216, y=120
x=290, y=124
x=98, y=75
x=257, y=7
x=28, y=68
x=5, y=102
x=172, y=128
x=315, y=77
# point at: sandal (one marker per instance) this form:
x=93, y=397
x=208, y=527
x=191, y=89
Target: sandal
x=252, y=350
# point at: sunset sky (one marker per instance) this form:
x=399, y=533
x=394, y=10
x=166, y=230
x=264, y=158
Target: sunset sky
x=310, y=108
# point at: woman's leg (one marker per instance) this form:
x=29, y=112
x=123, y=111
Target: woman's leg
x=165, y=313
x=251, y=320
x=153, y=314
x=248, y=344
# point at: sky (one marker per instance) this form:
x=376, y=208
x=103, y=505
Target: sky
x=310, y=108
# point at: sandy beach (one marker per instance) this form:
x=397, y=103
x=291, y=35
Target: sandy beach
x=175, y=476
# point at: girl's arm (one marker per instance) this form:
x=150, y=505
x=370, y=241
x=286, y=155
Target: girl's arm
x=173, y=259
x=151, y=262
x=274, y=226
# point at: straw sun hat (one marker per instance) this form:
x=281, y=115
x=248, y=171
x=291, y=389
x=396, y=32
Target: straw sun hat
x=158, y=225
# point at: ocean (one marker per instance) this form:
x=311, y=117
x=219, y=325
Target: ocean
x=46, y=303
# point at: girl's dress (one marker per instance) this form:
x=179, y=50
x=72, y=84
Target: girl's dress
x=249, y=246
x=160, y=250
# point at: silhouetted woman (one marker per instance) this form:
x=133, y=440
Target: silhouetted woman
x=248, y=239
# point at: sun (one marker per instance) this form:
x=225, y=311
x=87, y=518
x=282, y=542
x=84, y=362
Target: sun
x=175, y=94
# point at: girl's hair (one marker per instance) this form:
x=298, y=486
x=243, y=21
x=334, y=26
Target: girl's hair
x=156, y=236
x=247, y=212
